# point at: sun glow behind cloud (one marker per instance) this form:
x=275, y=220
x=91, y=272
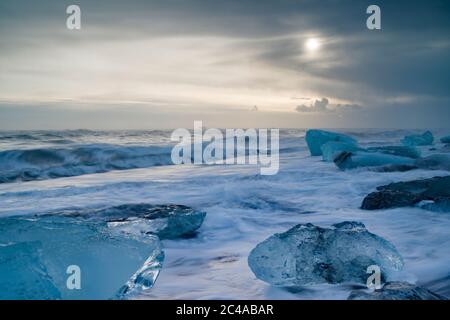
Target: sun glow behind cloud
x=197, y=71
x=198, y=57
x=312, y=44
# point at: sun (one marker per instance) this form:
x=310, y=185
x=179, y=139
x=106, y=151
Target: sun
x=312, y=44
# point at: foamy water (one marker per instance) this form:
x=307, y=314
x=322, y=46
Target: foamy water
x=243, y=208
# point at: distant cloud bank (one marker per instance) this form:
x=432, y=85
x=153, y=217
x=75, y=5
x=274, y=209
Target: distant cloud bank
x=323, y=106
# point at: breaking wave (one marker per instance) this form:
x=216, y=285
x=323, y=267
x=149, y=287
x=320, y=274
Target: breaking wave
x=48, y=163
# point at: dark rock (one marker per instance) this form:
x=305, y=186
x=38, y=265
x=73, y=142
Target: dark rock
x=428, y=188
x=389, y=199
x=436, y=191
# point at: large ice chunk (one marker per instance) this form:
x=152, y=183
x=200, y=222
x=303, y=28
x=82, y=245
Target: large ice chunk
x=396, y=291
x=307, y=254
x=445, y=139
x=165, y=221
x=22, y=275
x=351, y=160
x=402, y=151
x=331, y=149
x=424, y=139
x=35, y=253
x=316, y=138
x=439, y=161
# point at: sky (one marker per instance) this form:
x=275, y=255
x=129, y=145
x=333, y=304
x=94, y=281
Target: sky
x=256, y=63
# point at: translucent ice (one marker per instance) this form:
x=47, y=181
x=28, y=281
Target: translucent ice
x=22, y=274
x=440, y=161
x=316, y=138
x=333, y=148
x=165, y=221
x=380, y=155
x=424, y=139
x=402, y=151
x=307, y=254
x=351, y=160
x=35, y=253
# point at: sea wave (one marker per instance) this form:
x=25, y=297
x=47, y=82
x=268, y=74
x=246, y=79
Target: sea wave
x=47, y=163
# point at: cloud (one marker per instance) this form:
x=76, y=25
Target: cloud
x=323, y=106
x=348, y=107
x=317, y=106
x=197, y=54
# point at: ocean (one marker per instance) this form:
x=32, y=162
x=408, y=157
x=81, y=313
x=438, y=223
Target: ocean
x=50, y=171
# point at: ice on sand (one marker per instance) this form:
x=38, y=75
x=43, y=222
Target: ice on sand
x=35, y=253
x=165, y=221
x=308, y=254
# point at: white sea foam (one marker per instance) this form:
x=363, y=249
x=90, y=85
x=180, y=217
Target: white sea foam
x=243, y=208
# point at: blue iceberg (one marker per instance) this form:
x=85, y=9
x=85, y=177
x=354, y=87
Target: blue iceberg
x=307, y=254
x=445, y=139
x=331, y=149
x=352, y=160
x=402, y=151
x=424, y=139
x=36, y=252
x=317, y=138
x=439, y=161
x=22, y=274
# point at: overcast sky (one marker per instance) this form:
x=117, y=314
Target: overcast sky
x=233, y=63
